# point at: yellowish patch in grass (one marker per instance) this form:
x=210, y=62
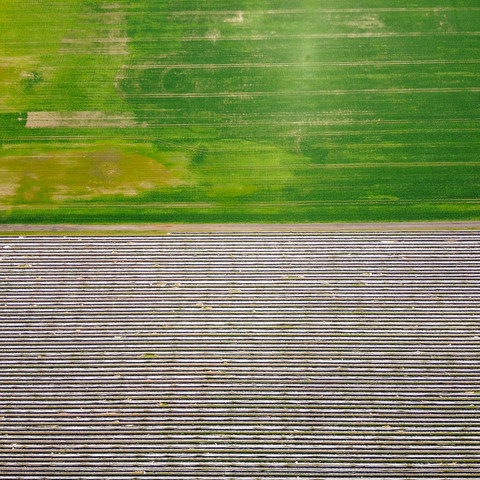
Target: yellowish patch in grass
x=77, y=175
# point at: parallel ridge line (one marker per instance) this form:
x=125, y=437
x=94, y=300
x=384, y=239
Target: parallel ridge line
x=202, y=356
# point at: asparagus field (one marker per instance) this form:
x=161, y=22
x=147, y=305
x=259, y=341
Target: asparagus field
x=244, y=111
x=240, y=357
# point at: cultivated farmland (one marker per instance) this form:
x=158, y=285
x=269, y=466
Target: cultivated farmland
x=244, y=111
x=240, y=357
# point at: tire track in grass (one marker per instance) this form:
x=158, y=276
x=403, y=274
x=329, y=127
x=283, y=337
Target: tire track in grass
x=377, y=91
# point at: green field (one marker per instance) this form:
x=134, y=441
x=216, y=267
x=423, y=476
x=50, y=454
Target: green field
x=239, y=111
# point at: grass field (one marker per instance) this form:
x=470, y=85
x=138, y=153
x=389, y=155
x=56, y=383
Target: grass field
x=243, y=111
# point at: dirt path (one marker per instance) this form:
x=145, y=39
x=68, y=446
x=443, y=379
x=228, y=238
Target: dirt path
x=240, y=228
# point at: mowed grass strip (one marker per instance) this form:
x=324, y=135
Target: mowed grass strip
x=186, y=112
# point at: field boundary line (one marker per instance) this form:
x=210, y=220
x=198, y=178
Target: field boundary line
x=238, y=228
